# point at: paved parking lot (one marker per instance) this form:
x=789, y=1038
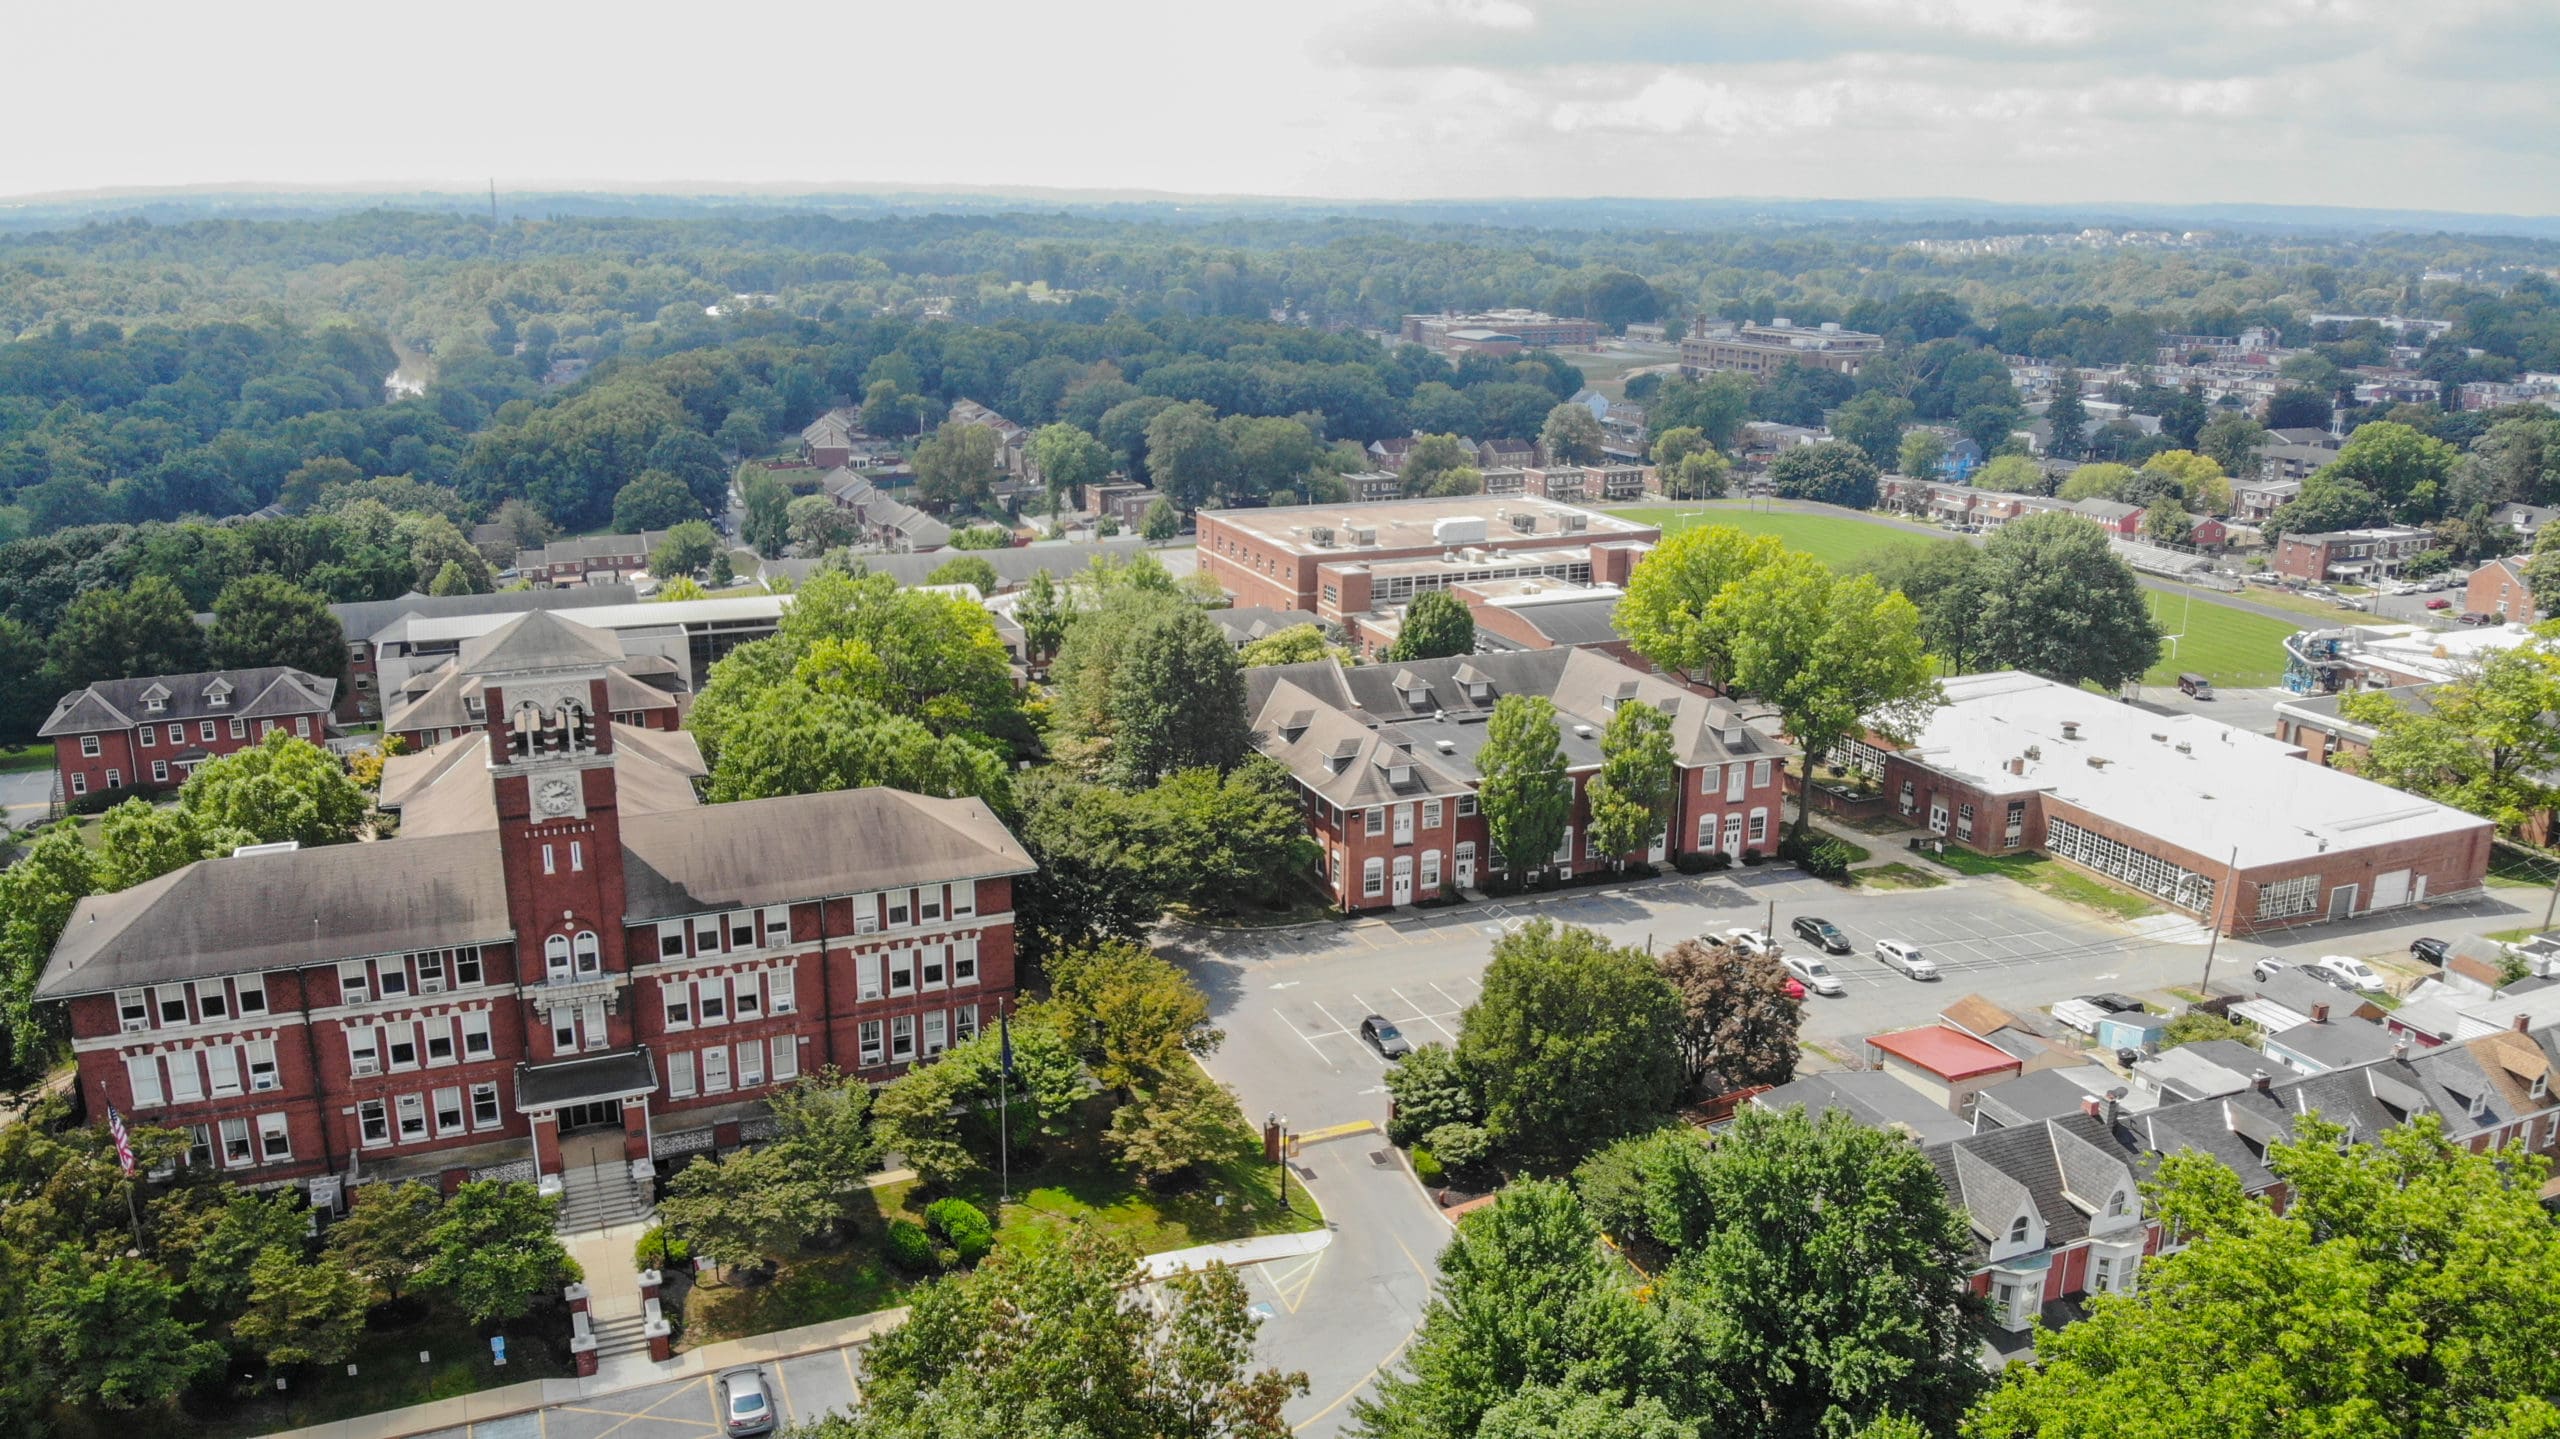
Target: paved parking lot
x=807, y=1388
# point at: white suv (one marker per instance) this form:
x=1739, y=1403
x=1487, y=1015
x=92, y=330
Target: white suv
x=1905, y=956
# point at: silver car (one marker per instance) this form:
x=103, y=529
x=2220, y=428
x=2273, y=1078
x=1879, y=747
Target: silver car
x=1816, y=975
x=1905, y=956
x=746, y=1401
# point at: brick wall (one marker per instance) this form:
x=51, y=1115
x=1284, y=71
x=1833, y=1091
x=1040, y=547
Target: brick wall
x=133, y=762
x=2495, y=589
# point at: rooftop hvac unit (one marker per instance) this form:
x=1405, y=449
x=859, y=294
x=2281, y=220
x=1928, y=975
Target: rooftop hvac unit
x=1525, y=524
x=1364, y=536
x=1321, y=536
x=1575, y=522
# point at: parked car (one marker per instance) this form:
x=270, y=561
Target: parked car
x=1795, y=987
x=1384, y=1037
x=1823, y=933
x=2114, y=1003
x=2268, y=968
x=1814, y=973
x=2348, y=973
x=2474, y=617
x=2439, y=603
x=2128, y=1058
x=1905, y=956
x=1749, y=941
x=2429, y=948
x=746, y=1401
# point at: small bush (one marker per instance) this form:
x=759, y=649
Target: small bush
x=1823, y=858
x=661, y=1251
x=1718, y=862
x=1691, y=864
x=909, y=1247
x=1460, y=1146
x=964, y=1226
x=1751, y=855
x=1426, y=1167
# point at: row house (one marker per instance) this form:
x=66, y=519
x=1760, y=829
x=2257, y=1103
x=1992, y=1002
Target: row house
x=122, y=735
x=1385, y=756
x=2252, y=501
x=2361, y=556
x=1612, y=483
x=589, y=559
x=833, y=438
x=880, y=518
x=563, y=962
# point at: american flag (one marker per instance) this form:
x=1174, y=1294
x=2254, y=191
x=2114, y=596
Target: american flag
x=124, y=1141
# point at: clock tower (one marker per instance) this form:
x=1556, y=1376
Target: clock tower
x=550, y=755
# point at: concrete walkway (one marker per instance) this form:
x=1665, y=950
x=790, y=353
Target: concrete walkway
x=1260, y=1249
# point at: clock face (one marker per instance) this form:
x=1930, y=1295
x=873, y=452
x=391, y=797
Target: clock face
x=555, y=796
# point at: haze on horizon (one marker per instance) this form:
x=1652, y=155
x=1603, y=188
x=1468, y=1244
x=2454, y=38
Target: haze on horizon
x=2446, y=105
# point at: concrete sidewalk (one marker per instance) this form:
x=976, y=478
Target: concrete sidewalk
x=1261, y=1249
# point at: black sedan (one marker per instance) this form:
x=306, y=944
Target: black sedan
x=1822, y=932
x=2430, y=949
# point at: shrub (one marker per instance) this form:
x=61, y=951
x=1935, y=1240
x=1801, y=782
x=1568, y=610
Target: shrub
x=661, y=1251
x=1823, y=858
x=964, y=1226
x=1691, y=864
x=1751, y=855
x=1718, y=861
x=1460, y=1146
x=1429, y=1091
x=909, y=1247
x=1426, y=1167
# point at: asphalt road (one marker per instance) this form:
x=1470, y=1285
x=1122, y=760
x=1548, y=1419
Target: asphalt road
x=1291, y=1002
x=804, y=1389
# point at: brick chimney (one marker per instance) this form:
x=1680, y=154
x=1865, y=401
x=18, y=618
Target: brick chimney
x=2523, y=1023
x=2089, y=1105
x=2319, y=1014
x=2258, y=1081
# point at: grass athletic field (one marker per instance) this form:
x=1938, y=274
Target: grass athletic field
x=2231, y=647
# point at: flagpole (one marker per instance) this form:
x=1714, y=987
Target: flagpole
x=1004, y=1115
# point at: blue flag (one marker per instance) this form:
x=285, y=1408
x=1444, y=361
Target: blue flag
x=1004, y=1044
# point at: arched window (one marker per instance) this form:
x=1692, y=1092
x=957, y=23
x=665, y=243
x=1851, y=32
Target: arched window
x=2018, y=1231
x=555, y=956
x=588, y=960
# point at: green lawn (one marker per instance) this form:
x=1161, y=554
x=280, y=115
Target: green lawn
x=2047, y=876
x=1074, y=1185
x=26, y=757
x=1896, y=875
x=1838, y=539
x=2227, y=646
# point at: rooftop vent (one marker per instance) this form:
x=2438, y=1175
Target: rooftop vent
x=282, y=846
x=1445, y=746
x=2185, y=748
x=1320, y=536
x=2071, y=729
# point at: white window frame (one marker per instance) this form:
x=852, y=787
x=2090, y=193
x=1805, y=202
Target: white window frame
x=750, y=1064
x=964, y=963
x=1373, y=877
x=79, y=782
x=222, y=1064
x=680, y=1074
x=391, y=979
x=250, y=991
x=937, y=1032
x=364, y=1050
x=275, y=1139
x=1373, y=820
x=964, y=899
x=902, y=1038
x=142, y=1076
x=449, y=1094
x=395, y=1038
x=715, y=1069
x=933, y=966
x=902, y=971
x=964, y=1023
x=782, y=990
x=676, y=1000
x=263, y=1075
x=88, y=746
x=746, y=998
x=873, y=1051
x=373, y=1123
x=477, y=1041
x=671, y=939
x=410, y=1117
x=786, y=1058
x=159, y=769
x=1431, y=813
x=133, y=1010
x=777, y=926
x=866, y=968
x=467, y=973
x=1467, y=806
x=439, y=1031
x=239, y=1146
x=355, y=985
x=166, y=997
x=485, y=1113
x=711, y=1000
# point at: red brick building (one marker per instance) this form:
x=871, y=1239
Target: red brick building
x=2498, y=588
x=1385, y=756
x=150, y=733
x=2359, y=556
x=563, y=965
x=2222, y=823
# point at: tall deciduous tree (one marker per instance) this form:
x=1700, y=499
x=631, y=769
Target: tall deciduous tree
x=277, y=789
x=1831, y=472
x=2407, y=1288
x=1651, y=1189
x=300, y=1313
x=106, y=1331
x=1572, y=1042
x=1060, y=1339
x=1436, y=625
x=2051, y=598
x=389, y=1235
x=799, y=742
x=147, y=629
x=653, y=500
x=1737, y=1023
x=1188, y=455
x=496, y=1250
x=2483, y=744
x=264, y=620
x=1874, y=423
x=1921, y=453
x=1133, y=1014
x=1178, y=1121
x=1664, y=614
x=1833, y=655
x=1297, y=644
x=1070, y=461
x=1630, y=799
x=956, y=468
x=1525, y=789
x=1570, y=436
x=1176, y=698
x=2232, y=440
x=748, y=1208
x=1941, y=577
x=687, y=546
x=2012, y=474
x=2066, y=414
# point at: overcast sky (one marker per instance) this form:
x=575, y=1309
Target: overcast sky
x=2445, y=104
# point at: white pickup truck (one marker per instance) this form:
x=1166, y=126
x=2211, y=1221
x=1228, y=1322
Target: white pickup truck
x=2080, y=1014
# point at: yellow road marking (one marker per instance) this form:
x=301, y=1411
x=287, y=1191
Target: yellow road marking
x=1336, y=1131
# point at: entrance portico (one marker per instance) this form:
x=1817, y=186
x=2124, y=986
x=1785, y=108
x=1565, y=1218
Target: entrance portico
x=579, y=1108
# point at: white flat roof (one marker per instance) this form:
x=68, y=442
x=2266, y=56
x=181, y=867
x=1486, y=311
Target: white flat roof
x=2426, y=655
x=2200, y=785
x=653, y=614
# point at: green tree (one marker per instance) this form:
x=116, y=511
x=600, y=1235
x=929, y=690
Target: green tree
x=1737, y=1024
x=2167, y=522
x=138, y=840
x=1874, y=422
x=679, y=590
x=815, y=525
x=2410, y=1279
x=1224, y=841
x=1430, y=1091
x=1162, y=521
x=496, y=1250
x=973, y=570
x=263, y=620
x=825, y=1123
x=389, y=1235
x=37, y=895
x=1297, y=644
x=687, y=546
x=147, y=629
x=1526, y=792
x=1044, y=613
x=766, y=525
x=1570, y=436
x=27, y=687
x=2052, y=599
x=1829, y=1315
x=956, y=467
x=1134, y=1016
x=2232, y=440
x=1699, y=475
x=2011, y=474
x=654, y=500
x=2542, y=570
x=1070, y=462
x=300, y=1313
x=2105, y=480
x=106, y=1332
x=457, y=579
x=1176, y=698
x=1526, y=1303
x=1942, y=578
x=748, y=1208
x=277, y=789
x=941, y=1117
x=1921, y=453
x=1831, y=472
x=1650, y=1189
x=1572, y=1042
x=1673, y=445
x=1835, y=656
x=2482, y=744
x=1664, y=614
x=2065, y=415
x=1436, y=625
x=2405, y=469
x=1717, y=406
x=1630, y=799
x=796, y=741
x=1177, y=1122
x=1188, y=456
x=1055, y=1339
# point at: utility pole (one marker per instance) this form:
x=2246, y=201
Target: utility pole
x=2226, y=901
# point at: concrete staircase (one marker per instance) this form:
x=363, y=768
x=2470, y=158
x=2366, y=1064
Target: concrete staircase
x=620, y=1334
x=601, y=1197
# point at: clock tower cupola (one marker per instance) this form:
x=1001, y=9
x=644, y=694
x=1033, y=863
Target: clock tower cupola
x=550, y=753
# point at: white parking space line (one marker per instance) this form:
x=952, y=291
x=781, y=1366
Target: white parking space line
x=1432, y=1020
x=1454, y=1001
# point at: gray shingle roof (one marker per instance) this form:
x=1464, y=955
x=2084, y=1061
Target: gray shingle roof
x=363, y=619
x=537, y=641
x=268, y=691
x=769, y=851
x=587, y=1079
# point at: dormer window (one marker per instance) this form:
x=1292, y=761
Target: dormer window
x=155, y=700
x=218, y=694
x=2115, y=1204
x=2018, y=1230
